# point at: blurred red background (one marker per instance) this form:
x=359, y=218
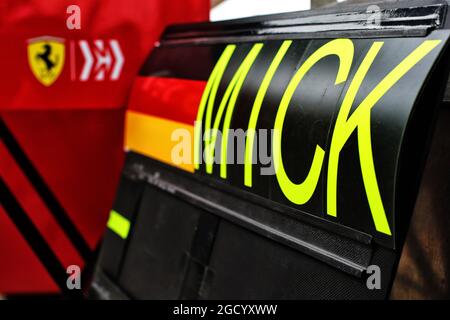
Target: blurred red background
x=71, y=131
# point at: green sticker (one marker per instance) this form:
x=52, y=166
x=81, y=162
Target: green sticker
x=119, y=224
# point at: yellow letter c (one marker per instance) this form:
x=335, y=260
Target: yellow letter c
x=302, y=192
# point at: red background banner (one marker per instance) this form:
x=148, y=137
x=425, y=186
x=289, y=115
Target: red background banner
x=72, y=130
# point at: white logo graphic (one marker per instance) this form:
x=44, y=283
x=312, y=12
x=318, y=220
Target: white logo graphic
x=103, y=60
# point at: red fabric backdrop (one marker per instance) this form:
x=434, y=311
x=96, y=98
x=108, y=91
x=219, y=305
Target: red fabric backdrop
x=71, y=130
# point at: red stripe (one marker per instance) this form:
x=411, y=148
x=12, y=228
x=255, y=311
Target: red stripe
x=168, y=98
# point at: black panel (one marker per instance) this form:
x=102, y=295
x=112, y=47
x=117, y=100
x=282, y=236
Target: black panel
x=245, y=265
x=189, y=248
x=113, y=246
x=156, y=259
x=198, y=236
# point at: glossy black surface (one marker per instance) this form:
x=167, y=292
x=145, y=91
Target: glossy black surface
x=260, y=244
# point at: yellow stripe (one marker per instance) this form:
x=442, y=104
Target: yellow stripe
x=119, y=224
x=153, y=137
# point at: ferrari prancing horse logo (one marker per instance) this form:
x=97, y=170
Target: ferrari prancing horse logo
x=46, y=58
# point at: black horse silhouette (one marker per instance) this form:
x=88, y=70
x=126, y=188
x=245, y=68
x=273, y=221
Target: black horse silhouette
x=45, y=57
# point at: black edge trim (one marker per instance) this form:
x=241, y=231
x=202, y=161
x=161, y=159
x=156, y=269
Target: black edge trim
x=401, y=19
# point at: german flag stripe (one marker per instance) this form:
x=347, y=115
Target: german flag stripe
x=168, y=98
x=157, y=138
x=162, y=113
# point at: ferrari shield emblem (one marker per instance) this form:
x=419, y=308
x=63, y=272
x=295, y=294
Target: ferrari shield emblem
x=46, y=58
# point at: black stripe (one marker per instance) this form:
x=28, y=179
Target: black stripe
x=44, y=192
x=34, y=239
x=192, y=62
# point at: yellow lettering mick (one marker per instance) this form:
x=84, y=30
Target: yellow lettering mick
x=360, y=120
